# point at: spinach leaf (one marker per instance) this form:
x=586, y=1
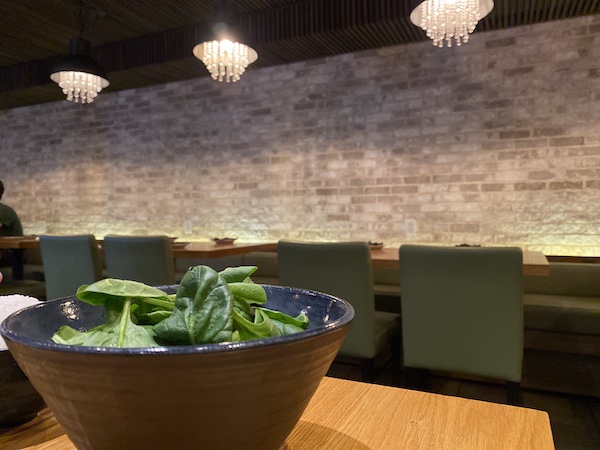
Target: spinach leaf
x=284, y=323
x=237, y=274
x=249, y=293
x=118, y=331
x=209, y=307
x=300, y=321
x=152, y=317
x=100, y=291
x=202, y=312
x=261, y=327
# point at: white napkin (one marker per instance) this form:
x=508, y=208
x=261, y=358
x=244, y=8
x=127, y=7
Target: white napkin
x=10, y=304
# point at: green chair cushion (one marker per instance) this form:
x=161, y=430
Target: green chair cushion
x=183, y=264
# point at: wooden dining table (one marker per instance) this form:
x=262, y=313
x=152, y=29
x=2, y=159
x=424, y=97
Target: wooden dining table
x=180, y=249
x=350, y=415
x=214, y=250
x=18, y=244
x=534, y=262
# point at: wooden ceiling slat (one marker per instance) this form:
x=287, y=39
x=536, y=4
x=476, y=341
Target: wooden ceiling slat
x=142, y=43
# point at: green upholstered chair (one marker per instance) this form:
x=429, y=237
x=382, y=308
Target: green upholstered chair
x=147, y=259
x=69, y=262
x=462, y=311
x=344, y=269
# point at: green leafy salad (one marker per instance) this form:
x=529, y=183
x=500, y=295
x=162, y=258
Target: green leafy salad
x=209, y=307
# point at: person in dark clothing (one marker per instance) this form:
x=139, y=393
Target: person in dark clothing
x=10, y=225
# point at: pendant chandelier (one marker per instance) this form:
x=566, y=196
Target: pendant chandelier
x=225, y=57
x=79, y=76
x=445, y=20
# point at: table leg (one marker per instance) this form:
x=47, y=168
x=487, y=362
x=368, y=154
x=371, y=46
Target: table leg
x=18, y=263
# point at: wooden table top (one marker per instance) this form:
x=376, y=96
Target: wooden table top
x=534, y=263
x=19, y=242
x=212, y=250
x=180, y=249
x=348, y=415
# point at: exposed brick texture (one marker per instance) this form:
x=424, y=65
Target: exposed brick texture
x=496, y=142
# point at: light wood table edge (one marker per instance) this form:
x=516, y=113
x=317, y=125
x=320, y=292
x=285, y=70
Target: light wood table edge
x=347, y=414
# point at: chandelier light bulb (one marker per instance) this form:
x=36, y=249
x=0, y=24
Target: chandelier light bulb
x=448, y=20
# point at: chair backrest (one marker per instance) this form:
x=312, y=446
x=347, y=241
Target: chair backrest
x=147, y=259
x=183, y=264
x=342, y=269
x=69, y=262
x=462, y=309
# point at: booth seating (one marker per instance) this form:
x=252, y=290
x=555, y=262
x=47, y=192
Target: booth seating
x=562, y=329
x=567, y=301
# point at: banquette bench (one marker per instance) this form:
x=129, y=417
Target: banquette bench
x=567, y=301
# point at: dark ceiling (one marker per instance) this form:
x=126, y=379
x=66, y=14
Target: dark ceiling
x=146, y=42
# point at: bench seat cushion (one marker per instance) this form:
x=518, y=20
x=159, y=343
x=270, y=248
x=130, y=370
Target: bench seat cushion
x=386, y=282
x=388, y=290
x=562, y=313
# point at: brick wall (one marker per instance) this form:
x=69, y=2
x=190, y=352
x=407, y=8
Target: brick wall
x=495, y=143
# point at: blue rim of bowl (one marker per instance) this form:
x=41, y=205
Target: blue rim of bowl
x=188, y=349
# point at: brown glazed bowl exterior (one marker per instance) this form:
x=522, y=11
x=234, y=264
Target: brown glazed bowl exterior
x=237, y=396
x=19, y=401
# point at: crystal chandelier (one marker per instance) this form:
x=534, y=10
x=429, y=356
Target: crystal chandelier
x=78, y=75
x=225, y=60
x=444, y=20
x=225, y=57
x=80, y=86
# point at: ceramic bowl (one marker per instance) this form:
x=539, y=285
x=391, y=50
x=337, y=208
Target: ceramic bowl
x=225, y=240
x=247, y=395
x=19, y=401
x=376, y=245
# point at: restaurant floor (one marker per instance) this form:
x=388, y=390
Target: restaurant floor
x=575, y=420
